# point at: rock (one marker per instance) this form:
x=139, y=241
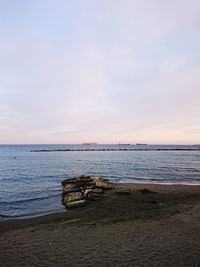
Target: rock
x=102, y=183
x=78, y=191
x=74, y=196
x=70, y=188
x=93, y=196
x=82, y=178
x=95, y=193
x=75, y=204
x=78, y=186
x=87, y=191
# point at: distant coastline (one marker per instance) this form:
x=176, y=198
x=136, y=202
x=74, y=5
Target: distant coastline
x=123, y=144
x=138, y=144
x=88, y=143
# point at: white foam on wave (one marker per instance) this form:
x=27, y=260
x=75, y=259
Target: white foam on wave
x=133, y=181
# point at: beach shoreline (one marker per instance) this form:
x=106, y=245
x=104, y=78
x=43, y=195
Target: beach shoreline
x=13, y=223
x=128, y=227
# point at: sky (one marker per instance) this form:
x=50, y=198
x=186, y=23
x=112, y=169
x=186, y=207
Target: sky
x=104, y=71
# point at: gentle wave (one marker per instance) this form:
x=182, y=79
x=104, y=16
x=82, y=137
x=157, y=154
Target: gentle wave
x=26, y=200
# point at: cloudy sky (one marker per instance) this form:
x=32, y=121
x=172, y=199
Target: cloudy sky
x=105, y=71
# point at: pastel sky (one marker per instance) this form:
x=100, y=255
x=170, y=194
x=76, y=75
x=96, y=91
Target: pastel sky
x=106, y=71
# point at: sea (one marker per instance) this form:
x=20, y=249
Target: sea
x=30, y=182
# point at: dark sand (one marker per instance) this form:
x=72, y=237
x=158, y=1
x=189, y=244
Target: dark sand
x=142, y=225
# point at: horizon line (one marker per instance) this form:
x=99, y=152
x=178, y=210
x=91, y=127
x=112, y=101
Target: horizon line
x=116, y=143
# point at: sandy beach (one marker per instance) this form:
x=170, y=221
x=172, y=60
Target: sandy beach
x=132, y=225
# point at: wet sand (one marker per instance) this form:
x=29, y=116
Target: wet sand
x=132, y=225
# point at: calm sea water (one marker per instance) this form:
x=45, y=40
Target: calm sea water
x=30, y=183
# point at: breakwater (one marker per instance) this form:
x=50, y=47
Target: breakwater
x=113, y=149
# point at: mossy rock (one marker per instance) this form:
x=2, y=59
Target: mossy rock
x=74, y=196
x=75, y=204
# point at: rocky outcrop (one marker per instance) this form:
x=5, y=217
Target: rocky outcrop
x=80, y=190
